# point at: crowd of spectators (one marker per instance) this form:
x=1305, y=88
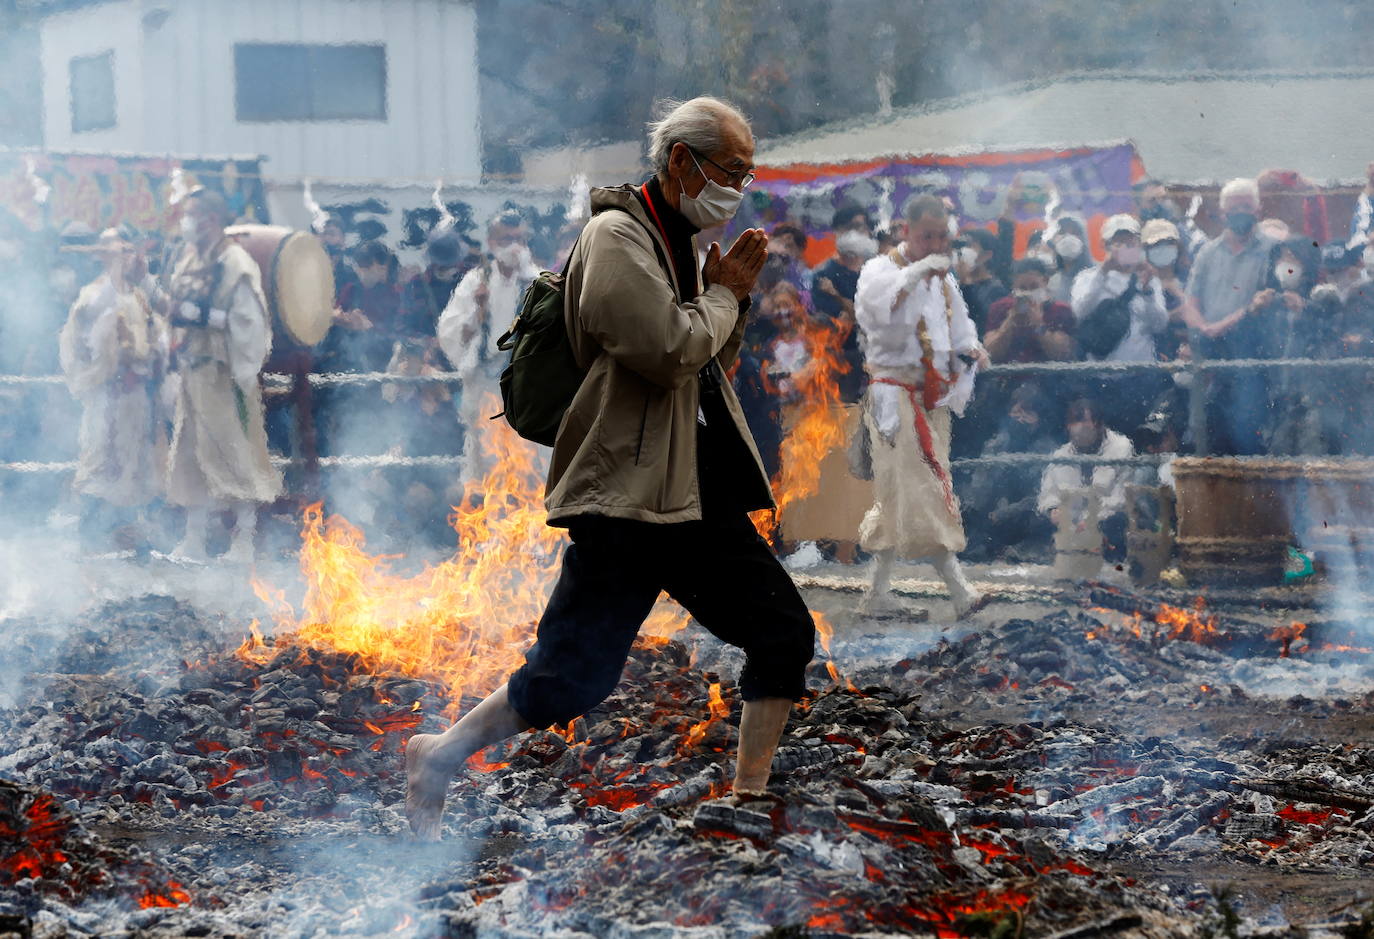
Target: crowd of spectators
x=1158, y=289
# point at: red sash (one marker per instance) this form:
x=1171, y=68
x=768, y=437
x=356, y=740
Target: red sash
x=927, y=441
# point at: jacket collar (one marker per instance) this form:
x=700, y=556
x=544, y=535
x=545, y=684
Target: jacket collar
x=623, y=198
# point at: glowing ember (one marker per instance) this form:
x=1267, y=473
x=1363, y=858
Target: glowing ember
x=1188, y=624
x=170, y=895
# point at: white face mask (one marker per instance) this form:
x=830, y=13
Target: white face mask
x=1129, y=255
x=1288, y=275
x=189, y=228
x=511, y=255
x=1162, y=255
x=968, y=258
x=857, y=244
x=714, y=205
x=1068, y=247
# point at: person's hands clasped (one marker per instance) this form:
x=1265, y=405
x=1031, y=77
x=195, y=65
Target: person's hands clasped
x=739, y=267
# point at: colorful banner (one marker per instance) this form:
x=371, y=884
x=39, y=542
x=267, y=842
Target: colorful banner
x=1090, y=181
x=50, y=190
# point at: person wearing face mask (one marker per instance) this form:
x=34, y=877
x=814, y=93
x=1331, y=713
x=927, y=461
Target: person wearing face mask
x=922, y=352
x=653, y=470
x=972, y=265
x=1000, y=512
x=1107, y=333
x=1089, y=435
x=221, y=339
x=425, y=296
x=1164, y=253
x=1304, y=406
x=1125, y=269
x=1227, y=286
x=484, y=304
x=832, y=297
x=1030, y=325
x=113, y=352
x=1068, y=246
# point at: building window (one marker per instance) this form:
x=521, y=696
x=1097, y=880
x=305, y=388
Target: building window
x=293, y=82
x=93, y=92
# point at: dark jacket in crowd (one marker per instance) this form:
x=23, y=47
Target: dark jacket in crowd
x=852, y=383
x=422, y=302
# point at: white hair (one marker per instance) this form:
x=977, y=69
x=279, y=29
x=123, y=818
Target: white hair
x=699, y=123
x=1240, y=188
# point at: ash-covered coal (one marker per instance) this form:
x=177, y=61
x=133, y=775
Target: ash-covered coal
x=268, y=782
x=139, y=638
x=46, y=852
x=233, y=756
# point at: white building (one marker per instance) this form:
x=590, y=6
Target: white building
x=327, y=89
x=1188, y=128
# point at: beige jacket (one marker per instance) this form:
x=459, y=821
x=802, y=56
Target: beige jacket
x=627, y=447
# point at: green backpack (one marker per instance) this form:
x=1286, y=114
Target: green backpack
x=543, y=375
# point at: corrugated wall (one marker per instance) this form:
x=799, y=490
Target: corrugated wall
x=184, y=63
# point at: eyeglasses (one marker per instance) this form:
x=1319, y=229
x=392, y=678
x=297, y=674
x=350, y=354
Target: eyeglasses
x=732, y=177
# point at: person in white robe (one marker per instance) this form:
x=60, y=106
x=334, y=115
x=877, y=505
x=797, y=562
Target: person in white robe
x=221, y=340
x=921, y=351
x=481, y=308
x=113, y=351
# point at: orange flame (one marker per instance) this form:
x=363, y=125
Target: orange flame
x=718, y=710
x=464, y=622
x=818, y=428
x=1188, y=624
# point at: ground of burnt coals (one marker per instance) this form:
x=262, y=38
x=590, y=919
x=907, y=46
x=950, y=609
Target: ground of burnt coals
x=1104, y=768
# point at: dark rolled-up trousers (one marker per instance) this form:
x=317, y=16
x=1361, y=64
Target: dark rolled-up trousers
x=719, y=569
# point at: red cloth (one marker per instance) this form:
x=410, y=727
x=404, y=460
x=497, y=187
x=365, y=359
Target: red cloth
x=927, y=441
x=1024, y=348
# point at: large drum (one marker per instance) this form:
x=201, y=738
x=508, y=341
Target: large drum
x=298, y=279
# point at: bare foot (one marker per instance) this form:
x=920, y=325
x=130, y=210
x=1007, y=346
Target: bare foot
x=425, y=788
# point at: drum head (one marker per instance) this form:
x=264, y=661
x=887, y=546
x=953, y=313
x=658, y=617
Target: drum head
x=303, y=287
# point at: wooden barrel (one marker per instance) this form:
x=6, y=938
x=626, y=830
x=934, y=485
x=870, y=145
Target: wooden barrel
x=1238, y=516
x=1235, y=518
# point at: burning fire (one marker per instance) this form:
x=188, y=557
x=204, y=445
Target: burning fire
x=718, y=710
x=819, y=427
x=465, y=622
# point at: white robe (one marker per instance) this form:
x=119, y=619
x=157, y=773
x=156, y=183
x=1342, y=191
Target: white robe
x=219, y=440
x=910, y=514
x=110, y=349
x=464, y=326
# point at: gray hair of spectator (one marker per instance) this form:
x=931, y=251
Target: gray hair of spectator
x=1240, y=189
x=211, y=203
x=922, y=205
x=698, y=123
